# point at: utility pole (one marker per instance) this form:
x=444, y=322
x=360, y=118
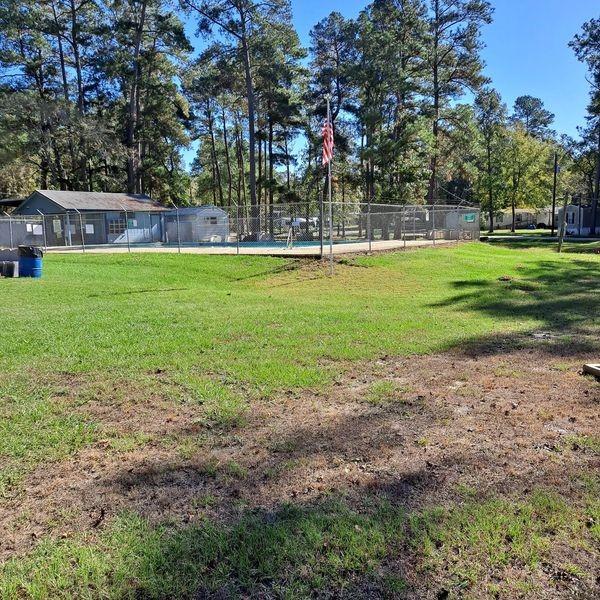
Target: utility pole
x=554, y=193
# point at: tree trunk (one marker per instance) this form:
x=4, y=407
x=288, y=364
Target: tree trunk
x=513, y=227
x=227, y=159
x=259, y=183
x=490, y=188
x=597, y=191
x=241, y=177
x=65, y=86
x=83, y=158
x=271, y=175
x=76, y=59
x=215, y=158
x=266, y=172
x=287, y=162
x=251, y=125
x=61, y=56
x=132, y=158
x=432, y=193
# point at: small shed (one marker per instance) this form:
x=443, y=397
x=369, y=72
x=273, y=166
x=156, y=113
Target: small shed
x=197, y=224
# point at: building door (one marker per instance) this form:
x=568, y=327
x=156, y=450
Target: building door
x=155, y=228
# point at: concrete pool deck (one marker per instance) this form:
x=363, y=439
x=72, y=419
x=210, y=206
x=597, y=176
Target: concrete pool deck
x=295, y=251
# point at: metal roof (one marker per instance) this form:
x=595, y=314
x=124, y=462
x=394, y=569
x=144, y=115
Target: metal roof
x=101, y=201
x=10, y=201
x=192, y=210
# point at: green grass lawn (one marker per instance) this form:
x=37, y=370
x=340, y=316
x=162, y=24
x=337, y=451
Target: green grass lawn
x=227, y=331
x=258, y=321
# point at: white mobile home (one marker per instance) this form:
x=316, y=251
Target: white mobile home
x=578, y=220
x=524, y=217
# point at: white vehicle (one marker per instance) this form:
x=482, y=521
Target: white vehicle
x=299, y=222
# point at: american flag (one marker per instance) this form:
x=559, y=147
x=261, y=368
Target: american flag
x=327, y=142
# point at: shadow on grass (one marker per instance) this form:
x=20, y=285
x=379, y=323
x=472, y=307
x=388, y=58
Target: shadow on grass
x=328, y=549
x=363, y=541
x=562, y=297
x=570, y=245
x=371, y=538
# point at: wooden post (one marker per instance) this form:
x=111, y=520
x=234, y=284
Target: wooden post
x=553, y=224
x=563, y=222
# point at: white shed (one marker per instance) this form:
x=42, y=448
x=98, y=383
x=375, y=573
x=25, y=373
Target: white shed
x=197, y=224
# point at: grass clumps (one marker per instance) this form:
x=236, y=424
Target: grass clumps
x=224, y=407
x=292, y=553
x=590, y=443
x=495, y=536
x=385, y=391
x=35, y=428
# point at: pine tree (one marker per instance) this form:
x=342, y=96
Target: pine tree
x=454, y=63
x=531, y=114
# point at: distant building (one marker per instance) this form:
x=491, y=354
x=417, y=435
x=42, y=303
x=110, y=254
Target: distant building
x=197, y=224
x=113, y=218
x=524, y=217
x=7, y=205
x=578, y=220
x=105, y=217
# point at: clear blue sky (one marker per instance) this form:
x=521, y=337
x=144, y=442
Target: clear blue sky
x=526, y=50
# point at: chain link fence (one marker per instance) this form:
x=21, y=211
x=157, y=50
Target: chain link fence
x=277, y=226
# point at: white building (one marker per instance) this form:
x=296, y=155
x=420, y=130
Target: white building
x=578, y=220
x=524, y=217
x=197, y=224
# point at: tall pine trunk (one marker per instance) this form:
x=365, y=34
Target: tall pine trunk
x=227, y=158
x=490, y=188
x=271, y=182
x=251, y=123
x=596, y=199
x=214, y=157
x=132, y=114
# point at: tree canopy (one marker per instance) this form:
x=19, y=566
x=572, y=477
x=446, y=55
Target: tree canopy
x=110, y=94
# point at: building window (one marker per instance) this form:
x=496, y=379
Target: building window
x=116, y=227
x=211, y=220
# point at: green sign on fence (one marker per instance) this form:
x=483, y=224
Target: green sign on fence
x=469, y=217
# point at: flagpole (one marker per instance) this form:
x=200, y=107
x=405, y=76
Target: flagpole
x=330, y=194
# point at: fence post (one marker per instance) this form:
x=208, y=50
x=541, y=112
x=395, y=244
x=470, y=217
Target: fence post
x=563, y=225
x=433, y=223
x=237, y=230
x=414, y=223
x=404, y=226
x=44, y=231
x=10, y=230
x=321, y=216
x=82, y=232
x=127, y=231
x=178, y=231
x=369, y=224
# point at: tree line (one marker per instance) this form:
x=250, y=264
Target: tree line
x=107, y=94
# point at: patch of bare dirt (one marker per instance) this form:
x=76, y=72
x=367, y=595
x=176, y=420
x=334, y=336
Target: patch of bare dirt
x=493, y=423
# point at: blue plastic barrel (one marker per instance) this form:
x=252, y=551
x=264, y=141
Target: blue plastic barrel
x=30, y=261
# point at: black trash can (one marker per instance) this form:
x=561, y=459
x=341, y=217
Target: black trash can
x=9, y=268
